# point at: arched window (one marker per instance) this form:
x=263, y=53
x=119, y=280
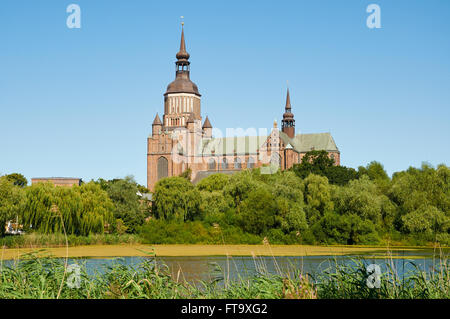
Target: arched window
x=333, y=158
x=211, y=164
x=163, y=167
x=224, y=163
x=237, y=163
x=251, y=162
x=275, y=159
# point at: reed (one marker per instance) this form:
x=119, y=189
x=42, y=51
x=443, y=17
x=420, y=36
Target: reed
x=39, y=276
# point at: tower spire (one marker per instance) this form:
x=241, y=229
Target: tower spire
x=182, y=55
x=288, y=122
x=288, y=101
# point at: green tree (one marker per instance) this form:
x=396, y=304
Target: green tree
x=215, y=182
x=11, y=200
x=313, y=162
x=427, y=219
x=344, y=229
x=257, y=211
x=17, y=179
x=127, y=203
x=239, y=186
x=317, y=197
x=79, y=210
x=175, y=198
x=340, y=175
x=319, y=163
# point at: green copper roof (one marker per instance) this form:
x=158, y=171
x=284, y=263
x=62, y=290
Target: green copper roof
x=301, y=143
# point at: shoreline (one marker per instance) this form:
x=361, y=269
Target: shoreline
x=141, y=250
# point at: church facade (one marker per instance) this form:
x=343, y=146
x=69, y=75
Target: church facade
x=181, y=140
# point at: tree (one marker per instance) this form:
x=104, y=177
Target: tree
x=319, y=163
x=344, y=229
x=127, y=204
x=175, y=198
x=340, y=175
x=79, y=210
x=187, y=174
x=240, y=185
x=414, y=188
x=317, y=197
x=215, y=182
x=11, y=200
x=313, y=162
x=17, y=179
x=427, y=219
x=359, y=197
x=257, y=211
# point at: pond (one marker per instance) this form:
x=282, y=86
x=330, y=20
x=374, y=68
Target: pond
x=207, y=268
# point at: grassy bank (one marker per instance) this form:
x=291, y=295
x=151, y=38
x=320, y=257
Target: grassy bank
x=48, y=278
x=203, y=250
x=35, y=240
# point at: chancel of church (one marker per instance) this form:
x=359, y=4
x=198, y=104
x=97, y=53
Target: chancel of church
x=180, y=141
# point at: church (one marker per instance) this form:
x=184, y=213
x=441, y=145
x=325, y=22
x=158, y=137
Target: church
x=182, y=140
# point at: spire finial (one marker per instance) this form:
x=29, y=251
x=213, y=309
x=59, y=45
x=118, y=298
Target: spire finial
x=182, y=21
x=182, y=54
x=288, y=100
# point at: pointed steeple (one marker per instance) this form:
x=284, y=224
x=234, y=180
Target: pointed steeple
x=182, y=55
x=207, y=124
x=288, y=101
x=182, y=83
x=288, y=122
x=157, y=120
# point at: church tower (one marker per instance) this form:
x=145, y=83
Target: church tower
x=288, y=122
x=182, y=98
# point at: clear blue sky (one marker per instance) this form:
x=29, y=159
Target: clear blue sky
x=81, y=102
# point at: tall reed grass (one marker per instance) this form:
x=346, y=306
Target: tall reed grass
x=36, y=276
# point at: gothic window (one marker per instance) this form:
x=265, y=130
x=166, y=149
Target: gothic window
x=211, y=164
x=237, y=163
x=163, y=167
x=275, y=159
x=224, y=163
x=251, y=162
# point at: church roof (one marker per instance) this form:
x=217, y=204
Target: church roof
x=182, y=84
x=233, y=145
x=239, y=145
x=318, y=141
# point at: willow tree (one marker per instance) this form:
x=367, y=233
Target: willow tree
x=80, y=210
x=11, y=199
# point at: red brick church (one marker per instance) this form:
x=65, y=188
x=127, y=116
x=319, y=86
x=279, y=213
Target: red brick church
x=182, y=140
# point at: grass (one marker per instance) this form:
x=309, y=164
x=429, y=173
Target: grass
x=36, y=276
x=35, y=240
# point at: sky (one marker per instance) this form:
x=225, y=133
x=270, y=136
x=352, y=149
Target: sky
x=80, y=102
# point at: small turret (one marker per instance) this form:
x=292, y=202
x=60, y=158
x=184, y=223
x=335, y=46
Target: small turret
x=156, y=126
x=207, y=128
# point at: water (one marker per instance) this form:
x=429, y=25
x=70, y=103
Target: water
x=207, y=268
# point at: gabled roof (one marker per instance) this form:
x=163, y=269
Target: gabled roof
x=318, y=141
x=301, y=143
